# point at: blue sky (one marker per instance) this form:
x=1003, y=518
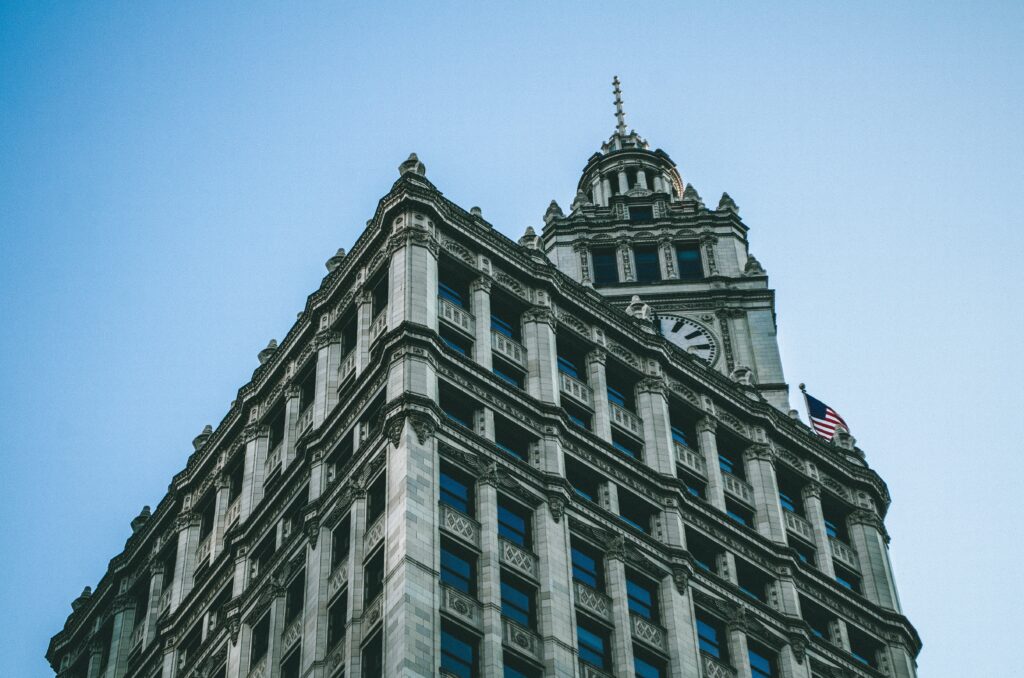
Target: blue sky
x=174, y=175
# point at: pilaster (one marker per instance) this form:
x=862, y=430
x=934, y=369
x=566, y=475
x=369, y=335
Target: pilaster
x=760, y=467
x=868, y=540
x=622, y=636
x=554, y=599
x=707, y=439
x=680, y=628
x=480, y=291
x=541, y=355
x=489, y=575
x=737, y=639
x=812, y=507
x=598, y=382
x=187, y=525
x=652, y=403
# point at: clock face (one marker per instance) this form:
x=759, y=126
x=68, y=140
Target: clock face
x=693, y=338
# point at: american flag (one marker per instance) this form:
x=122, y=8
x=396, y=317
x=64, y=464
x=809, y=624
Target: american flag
x=824, y=420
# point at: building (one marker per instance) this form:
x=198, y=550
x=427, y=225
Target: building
x=571, y=455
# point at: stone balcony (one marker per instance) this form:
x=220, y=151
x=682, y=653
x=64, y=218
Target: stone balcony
x=337, y=579
x=518, y=559
x=715, y=668
x=508, y=348
x=799, y=526
x=691, y=459
x=373, y=613
x=164, y=602
x=454, y=315
x=593, y=601
x=259, y=669
x=379, y=324
x=626, y=420
x=292, y=633
x=347, y=367
x=234, y=512
x=576, y=390
x=336, y=656
x=273, y=462
x=305, y=420
x=203, y=550
x=522, y=639
x=461, y=606
x=588, y=671
x=374, y=534
x=843, y=553
x=460, y=525
x=737, y=488
x=648, y=632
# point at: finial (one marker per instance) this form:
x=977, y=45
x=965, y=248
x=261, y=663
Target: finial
x=620, y=126
x=412, y=164
x=265, y=354
x=335, y=261
x=553, y=212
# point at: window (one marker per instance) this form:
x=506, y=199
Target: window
x=694, y=485
x=373, y=657
x=627, y=445
x=684, y=426
x=804, y=552
x=512, y=377
x=349, y=333
x=790, y=492
x=277, y=421
x=689, y=263
x=501, y=326
x=513, y=668
x=260, y=640
x=818, y=618
x=373, y=576
x=379, y=295
x=863, y=647
x=568, y=365
x=680, y=436
x=643, y=596
x=511, y=439
x=307, y=389
x=235, y=477
x=762, y=661
x=458, y=568
x=751, y=580
x=587, y=566
x=593, y=643
x=295, y=598
x=452, y=284
x=729, y=461
x=740, y=513
x=337, y=615
x=847, y=578
x=290, y=666
x=207, y=515
x=711, y=636
x=457, y=491
x=835, y=519
x=505, y=316
x=517, y=602
x=606, y=266
x=577, y=415
x=704, y=551
x=456, y=407
x=615, y=397
x=514, y=523
x=585, y=483
x=646, y=665
x=634, y=511
x=641, y=213
x=458, y=652
x=376, y=499
x=455, y=341
x=341, y=541
x=647, y=267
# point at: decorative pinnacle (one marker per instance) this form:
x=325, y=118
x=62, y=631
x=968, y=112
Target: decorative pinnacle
x=620, y=127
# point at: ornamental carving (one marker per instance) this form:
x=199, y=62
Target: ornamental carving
x=539, y=314
x=759, y=452
x=798, y=645
x=507, y=281
x=681, y=578
x=460, y=252
x=556, y=505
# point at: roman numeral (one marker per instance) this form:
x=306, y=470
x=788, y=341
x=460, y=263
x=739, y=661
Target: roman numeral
x=694, y=334
x=677, y=326
x=701, y=347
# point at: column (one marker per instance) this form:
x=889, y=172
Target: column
x=152, y=612
x=598, y=382
x=187, y=525
x=364, y=318
x=793, y=662
x=707, y=439
x=257, y=441
x=680, y=628
x=356, y=586
x=812, y=508
x=541, y=355
x=292, y=403
x=480, y=291
x=582, y=253
x=759, y=461
x=606, y=190
x=95, y=659
x=738, y=650
x=641, y=178
x=554, y=598
x=121, y=638
x=867, y=536
x=328, y=360
x=901, y=661
x=412, y=281
x=412, y=560
x=667, y=257
x=624, y=255
x=615, y=584
x=221, y=503
x=595, y=187
x=489, y=575
x=275, y=648
x=840, y=637
x=623, y=188
x=652, y=404
x=318, y=572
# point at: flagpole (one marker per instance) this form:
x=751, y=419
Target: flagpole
x=807, y=405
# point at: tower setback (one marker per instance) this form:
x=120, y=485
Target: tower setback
x=567, y=456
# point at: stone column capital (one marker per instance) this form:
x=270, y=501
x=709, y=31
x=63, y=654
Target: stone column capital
x=707, y=424
x=539, y=314
x=867, y=519
x=123, y=602
x=653, y=385
x=364, y=296
x=811, y=491
x=798, y=643
x=481, y=284
x=597, y=356
x=293, y=390
x=759, y=452
x=156, y=567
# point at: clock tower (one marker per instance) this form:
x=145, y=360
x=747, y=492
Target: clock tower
x=643, y=238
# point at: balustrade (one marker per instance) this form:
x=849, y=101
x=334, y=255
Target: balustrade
x=259, y=669
x=234, y=512
x=692, y=460
x=374, y=534
x=379, y=324
x=338, y=578
x=460, y=605
x=460, y=525
x=292, y=633
x=347, y=367
x=843, y=553
x=455, y=315
x=518, y=559
x=739, y=489
x=648, y=632
x=799, y=526
x=508, y=348
x=521, y=638
x=715, y=668
x=305, y=420
x=593, y=601
x=575, y=389
x=626, y=419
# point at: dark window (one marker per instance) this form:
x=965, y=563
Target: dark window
x=790, y=493
x=511, y=439
x=376, y=499
x=458, y=568
x=501, y=326
x=290, y=666
x=457, y=491
x=615, y=397
x=593, y=643
x=606, y=267
x=751, y=580
x=835, y=519
x=847, y=578
x=295, y=598
x=740, y=513
x=207, y=515
x=277, y=421
x=341, y=541
x=585, y=482
x=349, y=333
x=643, y=596
x=456, y=407
x=863, y=647
x=804, y=552
x=689, y=263
x=514, y=668
x=817, y=617
x=704, y=551
x=373, y=657
x=711, y=636
x=458, y=653
x=647, y=267
x=627, y=445
x=307, y=389
x=517, y=602
x=514, y=523
x=694, y=485
x=646, y=665
x=587, y=566
x=762, y=661
x=337, y=615
x=511, y=376
x=635, y=511
x=260, y=640
x=729, y=461
x=379, y=295
x=577, y=415
x=373, y=575
x=451, y=294
x=235, y=478
x=455, y=341
x=684, y=427
x=505, y=316
x=621, y=386
x=641, y=213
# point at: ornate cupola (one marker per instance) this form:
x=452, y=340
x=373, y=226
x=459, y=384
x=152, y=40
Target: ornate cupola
x=626, y=169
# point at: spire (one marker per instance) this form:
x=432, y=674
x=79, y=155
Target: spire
x=620, y=127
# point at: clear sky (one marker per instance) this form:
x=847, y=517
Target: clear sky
x=174, y=175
